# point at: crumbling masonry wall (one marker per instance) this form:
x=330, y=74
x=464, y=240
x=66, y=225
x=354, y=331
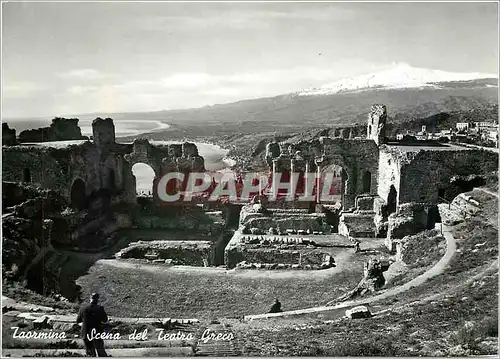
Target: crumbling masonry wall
x=60, y=129
x=357, y=157
x=429, y=171
x=418, y=174
x=102, y=164
x=388, y=173
x=58, y=168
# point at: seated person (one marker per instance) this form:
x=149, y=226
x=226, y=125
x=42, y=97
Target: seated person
x=276, y=308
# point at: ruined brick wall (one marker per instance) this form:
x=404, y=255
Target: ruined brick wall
x=166, y=158
x=58, y=168
x=388, y=172
x=356, y=157
x=103, y=132
x=101, y=165
x=377, y=119
x=429, y=171
x=36, y=165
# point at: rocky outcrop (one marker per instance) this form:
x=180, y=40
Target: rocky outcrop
x=20, y=244
x=29, y=201
x=372, y=281
x=358, y=312
x=465, y=205
x=411, y=219
x=28, y=230
x=61, y=129
x=8, y=135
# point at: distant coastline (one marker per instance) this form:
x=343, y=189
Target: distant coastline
x=123, y=128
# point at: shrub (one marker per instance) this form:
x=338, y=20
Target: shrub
x=376, y=346
x=468, y=336
x=489, y=326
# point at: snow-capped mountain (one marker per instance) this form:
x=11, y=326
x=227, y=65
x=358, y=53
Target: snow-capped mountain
x=399, y=76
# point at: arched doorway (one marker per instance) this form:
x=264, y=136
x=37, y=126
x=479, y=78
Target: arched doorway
x=26, y=175
x=392, y=199
x=367, y=181
x=78, y=196
x=433, y=216
x=144, y=177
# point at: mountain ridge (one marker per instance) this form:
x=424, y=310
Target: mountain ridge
x=400, y=76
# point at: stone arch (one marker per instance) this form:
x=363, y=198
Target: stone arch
x=392, y=200
x=145, y=177
x=348, y=190
x=367, y=181
x=144, y=152
x=26, y=175
x=354, y=157
x=78, y=196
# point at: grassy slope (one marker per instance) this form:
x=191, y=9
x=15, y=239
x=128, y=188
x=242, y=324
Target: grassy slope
x=452, y=314
x=420, y=253
x=134, y=292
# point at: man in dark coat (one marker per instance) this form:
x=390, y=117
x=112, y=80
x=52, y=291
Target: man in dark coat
x=93, y=316
x=276, y=308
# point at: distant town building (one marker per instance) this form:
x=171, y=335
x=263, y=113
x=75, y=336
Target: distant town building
x=493, y=135
x=462, y=126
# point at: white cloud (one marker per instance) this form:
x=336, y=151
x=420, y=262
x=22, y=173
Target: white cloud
x=84, y=74
x=192, y=89
x=21, y=89
x=80, y=90
x=245, y=17
x=189, y=80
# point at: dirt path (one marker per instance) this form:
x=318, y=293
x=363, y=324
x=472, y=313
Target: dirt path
x=438, y=268
x=470, y=145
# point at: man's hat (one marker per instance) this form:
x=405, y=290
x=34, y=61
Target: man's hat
x=95, y=296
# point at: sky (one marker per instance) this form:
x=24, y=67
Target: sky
x=74, y=58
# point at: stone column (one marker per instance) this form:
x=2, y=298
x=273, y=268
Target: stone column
x=47, y=233
x=318, y=183
x=273, y=173
x=306, y=177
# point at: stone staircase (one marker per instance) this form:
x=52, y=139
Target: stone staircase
x=33, y=318
x=126, y=352
x=209, y=346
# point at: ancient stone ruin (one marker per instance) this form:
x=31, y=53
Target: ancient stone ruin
x=61, y=129
x=8, y=135
x=80, y=195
